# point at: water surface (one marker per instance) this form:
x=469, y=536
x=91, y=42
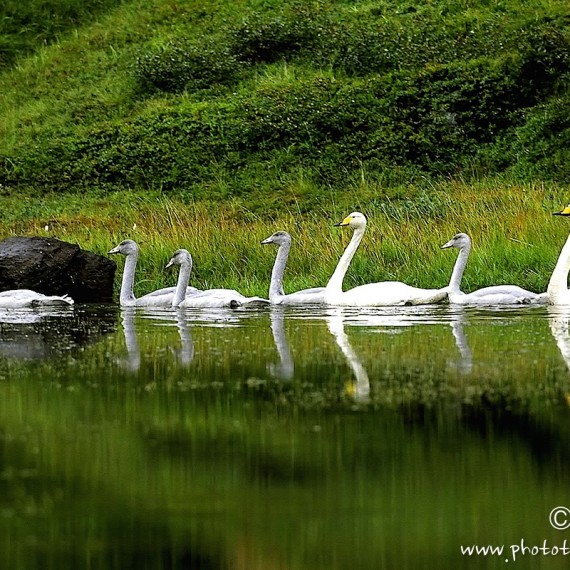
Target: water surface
x=290, y=439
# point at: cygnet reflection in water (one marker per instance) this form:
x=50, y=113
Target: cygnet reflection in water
x=285, y=369
x=457, y=322
x=50, y=332
x=132, y=360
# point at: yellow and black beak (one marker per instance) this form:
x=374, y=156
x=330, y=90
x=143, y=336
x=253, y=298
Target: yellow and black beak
x=344, y=222
x=564, y=212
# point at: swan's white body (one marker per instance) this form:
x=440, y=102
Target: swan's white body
x=557, y=290
x=277, y=296
x=159, y=298
x=203, y=299
x=25, y=298
x=386, y=293
x=494, y=295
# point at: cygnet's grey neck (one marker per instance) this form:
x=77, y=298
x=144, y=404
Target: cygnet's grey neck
x=182, y=284
x=459, y=268
x=127, y=295
x=276, y=287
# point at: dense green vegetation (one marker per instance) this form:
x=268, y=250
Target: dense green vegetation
x=25, y=26
x=216, y=98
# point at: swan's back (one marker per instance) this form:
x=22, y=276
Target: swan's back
x=171, y=291
x=220, y=298
x=212, y=298
x=501, y=295
x=162, y=297
x=388, y=293
x=314, y=295
x=21, y=298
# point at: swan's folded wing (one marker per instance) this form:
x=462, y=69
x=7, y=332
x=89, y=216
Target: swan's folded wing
x=171, y=290
x=505, y=295
x=311, y=291
x=429, y=296
x=313, y=296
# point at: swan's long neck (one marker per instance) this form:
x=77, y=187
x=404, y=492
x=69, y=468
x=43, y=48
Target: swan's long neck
x=558, y=284
x=459, y=268
x=127, y=295
x=276, y=287
x=335, y=282
x=182, y=284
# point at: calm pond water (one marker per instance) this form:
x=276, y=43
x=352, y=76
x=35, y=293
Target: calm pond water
x=284, y=439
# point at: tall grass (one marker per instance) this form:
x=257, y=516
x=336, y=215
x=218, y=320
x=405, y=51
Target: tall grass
x=515, y=238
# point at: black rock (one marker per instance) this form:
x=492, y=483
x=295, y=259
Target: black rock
x=55, y=267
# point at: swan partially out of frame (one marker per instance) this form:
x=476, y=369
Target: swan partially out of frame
x=208, y=298
x=159, y=298
x=26, y=298
x=386, y=293
x=494, y=295
x=557, y=290
x=277, y=294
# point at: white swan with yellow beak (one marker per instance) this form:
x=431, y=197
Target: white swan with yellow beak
x=385, y=293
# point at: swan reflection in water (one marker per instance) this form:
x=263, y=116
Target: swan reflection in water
x=465, y=364
x=360, y=389
x=132, y=360
x=38, y=333
x=558, y=321
x=338, y=318
x=185, y=353
x=285, y=369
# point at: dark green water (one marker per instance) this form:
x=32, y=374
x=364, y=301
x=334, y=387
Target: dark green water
x=302, y=439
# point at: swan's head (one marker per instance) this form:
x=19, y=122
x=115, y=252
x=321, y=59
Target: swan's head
x=458, y=240
x=354, y=220
x=126, y=247
x=279, y=238
x=563, y=212
x=180, y=257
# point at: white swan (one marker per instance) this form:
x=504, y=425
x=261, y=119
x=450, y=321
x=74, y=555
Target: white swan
x=209, y=297
x=557, y=290
x=159, y=298
x=277, y=295
x=385, y=293
x=494, y=295
x=25, y=298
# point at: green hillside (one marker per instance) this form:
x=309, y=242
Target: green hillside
x=213, y=98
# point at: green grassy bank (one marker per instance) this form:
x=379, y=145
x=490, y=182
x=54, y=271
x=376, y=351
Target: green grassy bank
x=516, y=239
